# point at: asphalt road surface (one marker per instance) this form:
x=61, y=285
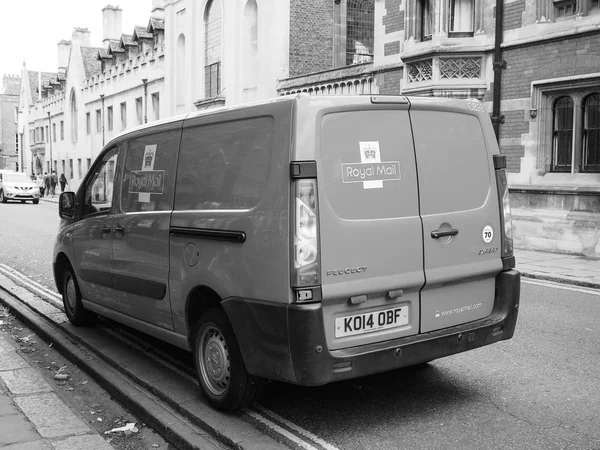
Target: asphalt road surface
x=540, y=390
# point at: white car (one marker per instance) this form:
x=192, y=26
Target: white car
x=17, y=186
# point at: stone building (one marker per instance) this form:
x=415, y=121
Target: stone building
x=9, y=140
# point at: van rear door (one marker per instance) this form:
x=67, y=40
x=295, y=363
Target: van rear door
x=370, y=230
x=460, y=213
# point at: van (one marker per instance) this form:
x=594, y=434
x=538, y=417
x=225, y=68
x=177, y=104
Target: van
x=301, y=239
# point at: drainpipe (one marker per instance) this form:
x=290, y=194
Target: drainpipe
x=102, y=117
x=145, y=81
x=50, y=139
x=499, y=65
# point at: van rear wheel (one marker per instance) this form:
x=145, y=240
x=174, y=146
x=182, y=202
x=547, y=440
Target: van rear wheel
x=76, y=313
x=219, y=364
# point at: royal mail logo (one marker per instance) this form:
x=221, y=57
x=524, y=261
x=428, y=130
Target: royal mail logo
x=147, y=181
x=371, y=171
x=360, y=172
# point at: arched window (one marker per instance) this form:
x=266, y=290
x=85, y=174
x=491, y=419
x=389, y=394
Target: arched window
x=181, y=72
x=591, y=134
x=562, y=135
x=73, y=109
x=360, y=24
x=212, y=49
x=250, y=48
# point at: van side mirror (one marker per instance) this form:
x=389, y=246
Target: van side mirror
x=66, y=205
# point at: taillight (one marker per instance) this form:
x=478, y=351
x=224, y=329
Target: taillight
x=505, y=215
x=307, y=262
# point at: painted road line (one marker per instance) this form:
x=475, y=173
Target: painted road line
x=280, y=430
x=564, y=287
x=31, y=285
x=296, y=428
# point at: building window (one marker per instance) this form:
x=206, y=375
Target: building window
x=123, y=115
x=425, y=14
x=73, y=110
x=88, y=123
x=180, y=85
x=53, y=132
x=88, y=163
x=109, y=118
x=565, y=8
x=62, y=130
x=70, y=168
x=250, y=50
x=156, y=105
x=562, y=135
x=98, y=121
x=43, y=137
x=591, y=134
x=139, y=110
x=212, y=49
x=79, y=168
x=461, y=17
x=360, y=25
x=63, y=167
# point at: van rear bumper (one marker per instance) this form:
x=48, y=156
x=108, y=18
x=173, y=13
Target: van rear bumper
x=307, y=361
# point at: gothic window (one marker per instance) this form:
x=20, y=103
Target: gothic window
x=73, y=110
x=461, y=17
x=591, y=134
x=212, y=49
x=562, y=135
x=360, y=22
x=425, y=14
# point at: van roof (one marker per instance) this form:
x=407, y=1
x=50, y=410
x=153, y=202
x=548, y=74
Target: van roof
x=301, y=97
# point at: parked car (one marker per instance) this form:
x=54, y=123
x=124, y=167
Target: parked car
x=302, y=239
x=18, y=186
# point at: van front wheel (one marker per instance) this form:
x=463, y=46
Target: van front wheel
x=76, y=313
x=221, y=370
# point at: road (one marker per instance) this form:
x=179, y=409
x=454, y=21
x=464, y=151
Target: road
x=540, y=390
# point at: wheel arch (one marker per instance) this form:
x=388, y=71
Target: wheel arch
x=59, y=265
x=199, y=300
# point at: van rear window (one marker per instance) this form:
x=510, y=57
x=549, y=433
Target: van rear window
x=454, y=173
x=224, y=165
x=368, y=165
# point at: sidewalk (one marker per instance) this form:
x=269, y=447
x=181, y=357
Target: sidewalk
x=32, y=416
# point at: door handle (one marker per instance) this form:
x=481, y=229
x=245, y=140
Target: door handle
x=119, y=229
x=439, y=233
x=105, y=229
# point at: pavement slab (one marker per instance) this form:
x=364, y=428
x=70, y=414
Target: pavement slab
x=36, y=445
x=12, y=361
x=25, y=381
x=87, y=442
x=15, y=428
x=51, y=417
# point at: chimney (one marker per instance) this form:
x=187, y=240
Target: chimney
x=158, y=9
x=64, y=50
x=81, y=36
x=112, y=23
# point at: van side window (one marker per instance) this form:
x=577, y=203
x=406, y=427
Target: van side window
x=225, y=165
x=99, y=186
x=149, y=172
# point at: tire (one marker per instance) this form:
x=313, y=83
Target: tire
x=219, y=364
x=76, y=313
x=36, y=201
x=2, y=197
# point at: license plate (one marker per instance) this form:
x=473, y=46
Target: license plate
x=371, y=321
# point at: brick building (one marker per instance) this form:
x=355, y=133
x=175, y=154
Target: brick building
x=534, y=63
x=9, y=142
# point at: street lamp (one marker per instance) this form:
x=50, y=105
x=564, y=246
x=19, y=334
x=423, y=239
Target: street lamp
x=50, y=139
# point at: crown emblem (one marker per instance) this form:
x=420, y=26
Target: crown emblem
x=370, y=153
x=148, y=160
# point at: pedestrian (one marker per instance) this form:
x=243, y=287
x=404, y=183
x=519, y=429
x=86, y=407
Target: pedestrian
x=40, y=184
x=46, y=184
x=53, y=183
x=63, y=182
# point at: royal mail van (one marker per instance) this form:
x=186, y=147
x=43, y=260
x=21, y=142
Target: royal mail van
x=302, y=239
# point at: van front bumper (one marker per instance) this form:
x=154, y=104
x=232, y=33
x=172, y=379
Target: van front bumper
x=289, y=343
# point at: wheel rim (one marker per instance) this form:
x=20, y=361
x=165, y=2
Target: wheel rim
x=70, y=293
x=215, y=367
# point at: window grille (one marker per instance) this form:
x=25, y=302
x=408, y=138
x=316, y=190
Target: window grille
x=562, y=135
x=359, y=31
x=591, y=134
